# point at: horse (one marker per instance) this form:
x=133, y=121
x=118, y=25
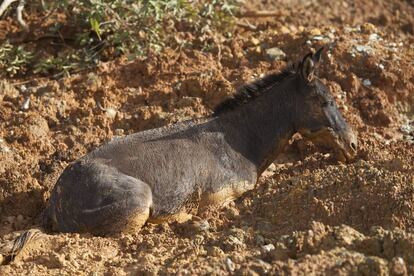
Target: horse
x=167, y=173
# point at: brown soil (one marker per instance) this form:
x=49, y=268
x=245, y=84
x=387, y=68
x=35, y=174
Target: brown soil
x=308, y=214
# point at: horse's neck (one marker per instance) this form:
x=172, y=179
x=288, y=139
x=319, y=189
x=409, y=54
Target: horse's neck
x=259, y=130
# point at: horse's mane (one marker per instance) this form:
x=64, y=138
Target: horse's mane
x=251, y=91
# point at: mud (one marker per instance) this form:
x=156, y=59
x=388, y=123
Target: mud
x=308, y=214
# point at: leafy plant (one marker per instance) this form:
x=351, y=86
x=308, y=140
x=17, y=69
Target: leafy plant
x=106, y=29
x=14, y=59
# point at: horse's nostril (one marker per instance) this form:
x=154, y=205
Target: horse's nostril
x=353, y=146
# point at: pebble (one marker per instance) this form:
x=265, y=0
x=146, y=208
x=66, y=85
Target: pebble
x=407, y=129
x=26, y=104
x=272, y=167
x=374, y=37
x=318, y=38
x=255, y=41
x=1, y=259
x=4, y=148
x=230, y=265
x=23, y=88
x=366, y=82
x=119, y=132
x=363, y=49
x=275, y=53
x=284, y=30
x=368, y=28
x=267, y=248
x=315, y=32
x=110, y=112
x=203, y=225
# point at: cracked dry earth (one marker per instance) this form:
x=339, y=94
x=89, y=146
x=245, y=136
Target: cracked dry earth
x=308, y=215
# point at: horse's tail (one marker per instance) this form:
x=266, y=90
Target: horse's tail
x=13, y=248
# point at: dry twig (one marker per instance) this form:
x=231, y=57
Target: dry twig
x=5, y=5
x=259, y=14
x=19, y=11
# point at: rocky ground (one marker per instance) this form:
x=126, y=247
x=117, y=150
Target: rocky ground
x=308, y=215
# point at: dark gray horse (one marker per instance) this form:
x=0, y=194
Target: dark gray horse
x=161, y=173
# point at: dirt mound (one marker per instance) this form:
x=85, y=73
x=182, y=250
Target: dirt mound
x=308, y=215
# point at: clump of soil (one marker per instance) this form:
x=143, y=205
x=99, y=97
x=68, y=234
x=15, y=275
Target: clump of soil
x=308, y=214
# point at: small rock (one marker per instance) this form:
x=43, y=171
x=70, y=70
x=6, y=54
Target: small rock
x=318, y=37
x=230, y=265
x=110, y=112
x=368, y=28
x=407, y=129
x=284, y=30
x=119, y=132
x=203, y=225
x=26, y=104
x=272, y=167
x=4, y=148
x=363, y=48
x=315, y=32
x=374, y=37
x=267, y=248
x=23, y=88
x=275, y=53
x=366, y=82
x=255, y=41
x=1, y=259
x=331, y=35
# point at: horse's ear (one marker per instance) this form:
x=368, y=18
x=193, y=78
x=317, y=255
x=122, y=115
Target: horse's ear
x=307, y=68
x=309, y=63
x=317, y=56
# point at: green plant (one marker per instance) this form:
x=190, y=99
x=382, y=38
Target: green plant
x=106, y=29
x=14, y=59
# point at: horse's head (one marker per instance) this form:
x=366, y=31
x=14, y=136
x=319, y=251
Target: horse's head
x=318, y=117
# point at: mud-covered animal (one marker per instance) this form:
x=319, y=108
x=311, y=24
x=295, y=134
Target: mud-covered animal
x=162, y=173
